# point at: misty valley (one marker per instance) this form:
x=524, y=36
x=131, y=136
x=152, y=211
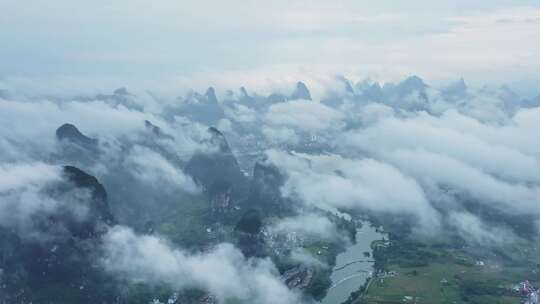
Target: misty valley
x=401, y=192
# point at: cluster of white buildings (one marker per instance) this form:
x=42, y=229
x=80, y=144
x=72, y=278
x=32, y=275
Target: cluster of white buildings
x=281, y=243
x=529, y=294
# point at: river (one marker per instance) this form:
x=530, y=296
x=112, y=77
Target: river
x=352, y=266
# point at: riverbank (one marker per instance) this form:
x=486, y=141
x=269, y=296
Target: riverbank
x=352, y=269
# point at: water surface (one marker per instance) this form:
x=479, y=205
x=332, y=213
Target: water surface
x=352, y=266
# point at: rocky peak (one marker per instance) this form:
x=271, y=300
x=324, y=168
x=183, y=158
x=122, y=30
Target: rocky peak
x=121, y=91
x=262, y=172
x=370, y=90
x=348, y=87
x=96, y=204
x=244, y=92
x=461, y=85
x=250, y=222
x=413, y=83
x=156, y=130
x=201, y=108
x=218, y=140
x=73, y=147
x=276, y=98
x=219, y=194
x=82, y=179
x=248, y=236
x=456, y=90
x=211, y=95
x=406, y=87
x=63, y=253
x=264, y=191
x=70, y=133
x=215, y=132
x=214, y=169
x=301, y=92
x=532, y=103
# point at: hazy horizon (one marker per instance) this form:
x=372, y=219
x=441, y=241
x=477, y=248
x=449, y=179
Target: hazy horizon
x=69, y=46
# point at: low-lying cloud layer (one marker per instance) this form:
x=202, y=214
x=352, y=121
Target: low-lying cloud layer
x=307, y=224
x=497, y=165
x=154, y=170
x=444, y=159
x=223, y=271
x=28, y=200
x=331, y=182
x=303, y=115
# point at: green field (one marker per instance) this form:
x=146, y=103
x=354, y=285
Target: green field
x=452, y=275
x=439, y=283
x=425, y=285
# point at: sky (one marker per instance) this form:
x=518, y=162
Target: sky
x=101, y=44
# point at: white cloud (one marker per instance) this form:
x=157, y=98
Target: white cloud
x=18, y=175
x=496, y=164
x=305, y=115
x=154, y=170
x=332, y=182
x=474, y=230
x=447, y=135
x=446, y=171
x=305, y=257
x=280, y=135
x=222, y=271
x=36, y=122
x=241, y=113
x=25, y=195
x=306, y=224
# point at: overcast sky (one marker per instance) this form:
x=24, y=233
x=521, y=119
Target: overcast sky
x=242, y=42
